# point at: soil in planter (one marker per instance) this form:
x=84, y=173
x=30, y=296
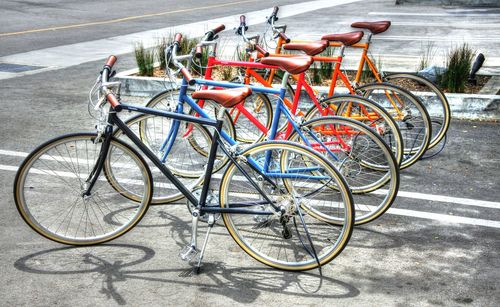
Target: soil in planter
x=412, y=86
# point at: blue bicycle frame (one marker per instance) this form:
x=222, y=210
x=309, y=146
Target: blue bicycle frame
x=184, y=97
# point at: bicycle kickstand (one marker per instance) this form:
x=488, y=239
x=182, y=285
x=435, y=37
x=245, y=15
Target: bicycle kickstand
x=190, y=252
x=211, y=222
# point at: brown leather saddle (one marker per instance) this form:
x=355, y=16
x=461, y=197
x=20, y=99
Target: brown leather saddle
x=227, y=98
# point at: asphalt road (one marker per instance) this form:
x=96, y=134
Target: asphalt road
x=439, y=247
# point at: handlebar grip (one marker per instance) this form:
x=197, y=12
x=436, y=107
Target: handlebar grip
x=178, y=38
x=275, y=11
x=284, y=37
x=219, y=28
x=188, y=76
x=110, y=61
x=262, y=50
x=199, y=52
x=113, y=100
x=243, y=20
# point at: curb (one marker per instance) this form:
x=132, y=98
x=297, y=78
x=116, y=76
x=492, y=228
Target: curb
x=463, y=106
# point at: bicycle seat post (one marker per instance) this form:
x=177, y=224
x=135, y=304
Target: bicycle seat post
x=284, y=81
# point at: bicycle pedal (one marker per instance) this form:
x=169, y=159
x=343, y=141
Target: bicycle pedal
x=188, y=253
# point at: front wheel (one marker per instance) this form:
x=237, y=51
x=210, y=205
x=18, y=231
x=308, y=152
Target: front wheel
x=50, y=185
x=314, y=221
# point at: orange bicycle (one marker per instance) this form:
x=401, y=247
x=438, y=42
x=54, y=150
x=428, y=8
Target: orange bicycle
x=429, y=94
x=410, y=114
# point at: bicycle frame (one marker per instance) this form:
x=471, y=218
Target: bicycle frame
x=337, y=72
x=291, y=106
x=113, y=120
x=272, y=133
x=364, y=59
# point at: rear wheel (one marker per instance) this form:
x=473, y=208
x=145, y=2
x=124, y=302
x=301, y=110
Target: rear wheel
x=411, y=116
x=314, y=222
x=367, y=112
x=361, y=156
x=431, y=97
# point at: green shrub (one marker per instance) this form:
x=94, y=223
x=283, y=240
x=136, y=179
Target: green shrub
x=161, y=44
x=458, y=65
x=326, y=68
x=145, y=60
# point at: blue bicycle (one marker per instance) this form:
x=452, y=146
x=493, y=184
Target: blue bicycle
x=360, y=154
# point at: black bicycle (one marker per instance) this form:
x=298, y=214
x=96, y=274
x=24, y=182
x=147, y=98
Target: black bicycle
x=284, y=204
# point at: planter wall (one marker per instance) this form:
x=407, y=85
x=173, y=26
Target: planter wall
x=463, y=106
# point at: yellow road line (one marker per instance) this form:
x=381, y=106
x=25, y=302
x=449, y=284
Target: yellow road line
x=81, y=25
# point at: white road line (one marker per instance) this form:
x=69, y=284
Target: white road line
x=457, y=25
x=468, y=38
x=13, y=153
x=445, y=199
x=75, y=54
x=449, y=199
x=485, y=15
x=405, y=194
x=445, y=218
x=395, y=211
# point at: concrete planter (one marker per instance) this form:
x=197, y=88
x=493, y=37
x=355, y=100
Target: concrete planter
x=142, y=86
x=463, y=106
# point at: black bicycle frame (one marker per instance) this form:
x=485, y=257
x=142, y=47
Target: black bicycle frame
x=113, y=120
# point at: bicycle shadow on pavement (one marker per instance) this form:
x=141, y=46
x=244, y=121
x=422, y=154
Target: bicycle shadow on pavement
x=122, y=263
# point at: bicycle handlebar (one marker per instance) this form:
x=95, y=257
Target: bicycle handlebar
x=273, y=16
x=110, y=62
x=188, y=76
x=218, y=29
x=276, y=29
x=108, y=66
x=284, y=37
x=209, y=36
x=261, y=50
x=105, y=73
x=178, y=38
x=199, y=52
x=184, y=71
x=241, y=31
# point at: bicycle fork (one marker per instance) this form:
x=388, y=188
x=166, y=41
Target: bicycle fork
x=96, y=171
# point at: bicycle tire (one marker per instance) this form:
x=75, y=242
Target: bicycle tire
x=267, y=237
x=383, y=123
x=53, y=174
x=437, y=105
x=361, y=156
x=413, y=120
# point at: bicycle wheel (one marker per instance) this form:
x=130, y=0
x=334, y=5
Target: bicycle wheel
x=367, y=112
x=433, y=99
x=361, y=156
x=260, y=107
x=410, y=115
x=313, y=221
x=49, y=186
